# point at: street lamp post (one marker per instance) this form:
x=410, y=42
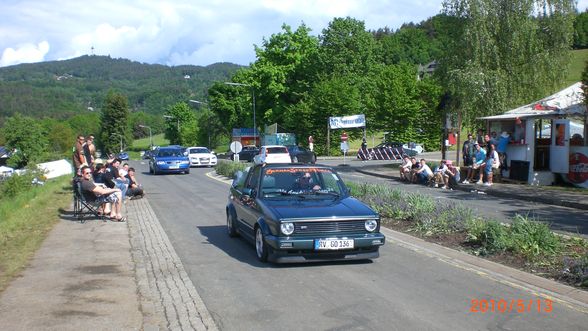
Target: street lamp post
x=253, y=99
x=121, y=140
x=150, y=135
x=204, y=103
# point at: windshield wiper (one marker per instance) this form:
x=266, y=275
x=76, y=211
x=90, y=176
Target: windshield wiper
x=333, y=193
x=296, y=193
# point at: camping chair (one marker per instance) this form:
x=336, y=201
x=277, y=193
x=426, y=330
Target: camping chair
x=84, y=206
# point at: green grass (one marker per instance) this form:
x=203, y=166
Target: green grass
x=25, y=222
x=143, y=144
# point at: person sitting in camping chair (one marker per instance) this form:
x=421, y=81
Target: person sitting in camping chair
x=106, y=195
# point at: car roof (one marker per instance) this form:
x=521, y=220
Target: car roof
x=196, y=147
x=294, y=165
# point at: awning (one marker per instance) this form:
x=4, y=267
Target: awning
x=567, y=102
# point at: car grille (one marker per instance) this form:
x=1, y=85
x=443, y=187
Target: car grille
x=329, y=227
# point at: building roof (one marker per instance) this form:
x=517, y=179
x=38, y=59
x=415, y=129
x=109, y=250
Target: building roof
x=567, y=102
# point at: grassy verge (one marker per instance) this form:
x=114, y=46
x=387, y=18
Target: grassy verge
x=526, y=244
x=228, y=168
x=25, y=221
x=143, y=144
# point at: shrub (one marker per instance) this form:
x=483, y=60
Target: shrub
x=491, y=236
x=17, y=184
x=228, y=168
x=575, y=270
x=532, y=238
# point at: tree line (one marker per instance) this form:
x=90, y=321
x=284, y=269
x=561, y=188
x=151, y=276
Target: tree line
x=490, y=55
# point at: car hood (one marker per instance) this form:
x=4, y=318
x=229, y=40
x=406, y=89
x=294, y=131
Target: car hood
x=210, y=155
x=296, y=208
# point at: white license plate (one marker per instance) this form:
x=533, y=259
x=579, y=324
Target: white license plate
x=174, y=166
x=323, y=244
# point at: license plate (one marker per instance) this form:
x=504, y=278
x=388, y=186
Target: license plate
x=335, y=244
x=174, y=166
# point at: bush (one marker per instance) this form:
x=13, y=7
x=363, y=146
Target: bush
x=17, y=184
x=491, y=236
x=228, y=168
x=533, y=239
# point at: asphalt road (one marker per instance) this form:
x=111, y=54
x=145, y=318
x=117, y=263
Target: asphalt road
x=402, y=290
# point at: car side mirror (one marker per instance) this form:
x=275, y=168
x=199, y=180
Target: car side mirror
x=248, y=193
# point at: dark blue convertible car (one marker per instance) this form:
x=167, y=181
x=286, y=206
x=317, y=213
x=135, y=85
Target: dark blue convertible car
x=301, y=213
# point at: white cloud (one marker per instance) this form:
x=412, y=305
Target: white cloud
x=25, y=53
x=180, y=31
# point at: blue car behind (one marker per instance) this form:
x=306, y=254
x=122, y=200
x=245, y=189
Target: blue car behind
x=169, y=159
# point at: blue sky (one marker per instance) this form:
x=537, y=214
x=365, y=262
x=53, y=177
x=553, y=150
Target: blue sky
x=180, y=31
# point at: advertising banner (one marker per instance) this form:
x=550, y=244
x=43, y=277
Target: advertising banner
x=345, y=122
x=578, y=174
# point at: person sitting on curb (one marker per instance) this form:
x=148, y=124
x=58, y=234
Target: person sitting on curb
x=441, y=175
x=135, y=190
x=413, y=169
x=405, y=168
x=424, y=173
x=478, y=160
x=104, y=194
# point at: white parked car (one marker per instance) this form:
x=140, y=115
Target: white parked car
x=201, y=156
x=272, y=154
x=418, y=148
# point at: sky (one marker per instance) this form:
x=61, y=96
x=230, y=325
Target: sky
x=178, y=32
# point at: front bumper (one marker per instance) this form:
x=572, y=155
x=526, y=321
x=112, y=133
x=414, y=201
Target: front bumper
x=301, y=249
x=168, y=169
x=202, y=161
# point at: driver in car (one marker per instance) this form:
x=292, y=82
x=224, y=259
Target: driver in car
x=305, y=182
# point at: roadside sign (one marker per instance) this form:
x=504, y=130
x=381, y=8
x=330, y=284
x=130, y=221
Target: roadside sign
x=345, y=146
x=344, y=137
x=235, y=147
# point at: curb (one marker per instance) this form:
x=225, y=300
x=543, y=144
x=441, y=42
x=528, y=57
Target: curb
x=498, y=193
x=571, y=297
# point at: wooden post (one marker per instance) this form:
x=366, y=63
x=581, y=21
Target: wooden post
x=458, y=141
x=328, y=139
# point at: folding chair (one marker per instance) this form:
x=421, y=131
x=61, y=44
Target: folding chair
x=84, y=206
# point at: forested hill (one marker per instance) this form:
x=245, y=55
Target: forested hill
x=60, y=89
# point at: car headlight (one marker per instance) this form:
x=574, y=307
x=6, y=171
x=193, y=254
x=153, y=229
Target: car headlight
x=287, y=228
x=160, y=162
x=371, y=225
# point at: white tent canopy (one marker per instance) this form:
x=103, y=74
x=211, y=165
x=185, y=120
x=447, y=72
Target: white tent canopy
x=567, y=102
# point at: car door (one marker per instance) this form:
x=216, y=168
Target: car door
x=249, y=209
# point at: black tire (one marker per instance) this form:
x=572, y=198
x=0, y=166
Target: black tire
x=261, y=248
x=187, y=172
x=231, y=230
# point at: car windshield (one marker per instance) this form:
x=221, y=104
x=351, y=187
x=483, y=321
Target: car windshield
x=301, y=181
x=199, y=150
x=175, y=152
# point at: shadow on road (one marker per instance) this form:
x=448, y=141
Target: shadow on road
x=244, y=251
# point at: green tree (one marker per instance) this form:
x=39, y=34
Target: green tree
x=347, y=48
x=181, y=125
x=114, y=123
x=508, y=53
x=60, y=137
x=581, y=30
x=27, y=136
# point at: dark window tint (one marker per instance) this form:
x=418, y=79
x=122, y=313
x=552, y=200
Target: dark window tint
x=276, y=150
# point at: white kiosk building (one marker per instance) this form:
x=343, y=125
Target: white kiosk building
x=548, y=137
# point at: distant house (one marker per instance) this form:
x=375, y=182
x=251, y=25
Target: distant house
x=4, y=155
x=426, y=70
x=186, y=76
